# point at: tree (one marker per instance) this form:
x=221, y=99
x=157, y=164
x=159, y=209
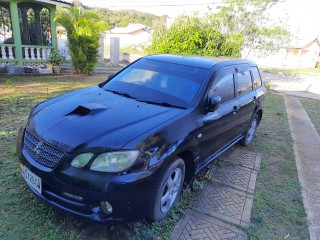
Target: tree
x=240, y=26
x=84, y=29
x=193, y=35
x=250, y=20
x=121, y=18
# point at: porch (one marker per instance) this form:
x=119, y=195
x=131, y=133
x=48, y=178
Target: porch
x=27, y=31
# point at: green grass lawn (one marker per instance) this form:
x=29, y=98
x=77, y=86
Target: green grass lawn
x=278, y=209
x=312, y=107
x=22, y=215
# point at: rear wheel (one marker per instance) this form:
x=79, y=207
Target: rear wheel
x=250, y=132
x=167, y=190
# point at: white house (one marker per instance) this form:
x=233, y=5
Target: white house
x=303, y=53
x=133, y=34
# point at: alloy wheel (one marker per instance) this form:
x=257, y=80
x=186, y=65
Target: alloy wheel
x=171, y=190
x=252, y=130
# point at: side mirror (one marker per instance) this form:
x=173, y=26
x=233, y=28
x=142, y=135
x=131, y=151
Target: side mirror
x=214, y=103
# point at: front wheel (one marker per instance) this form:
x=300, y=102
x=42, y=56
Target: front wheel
x=248, y=137
x=167, y=190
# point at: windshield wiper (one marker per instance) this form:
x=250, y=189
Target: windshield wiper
x=165, y=104
x=121, y=93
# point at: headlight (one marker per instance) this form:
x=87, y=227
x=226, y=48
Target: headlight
x=114, y=161
x=81, y=160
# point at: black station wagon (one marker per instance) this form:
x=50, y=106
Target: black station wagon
x=124, y=148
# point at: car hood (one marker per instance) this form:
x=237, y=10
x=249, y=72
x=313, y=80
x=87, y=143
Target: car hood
x=92, y=119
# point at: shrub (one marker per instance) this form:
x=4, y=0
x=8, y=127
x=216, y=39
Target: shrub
x=84, y=29
x=55, y=58
x=194, y=35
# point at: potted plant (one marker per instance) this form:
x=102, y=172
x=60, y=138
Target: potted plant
x=56, y=59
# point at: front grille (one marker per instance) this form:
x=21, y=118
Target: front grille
x=42, y=152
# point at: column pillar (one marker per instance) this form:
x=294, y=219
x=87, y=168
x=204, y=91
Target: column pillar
x=53, y=27
x=114, y=50
x=16, y=32
x=101, y=49
x=38, y=26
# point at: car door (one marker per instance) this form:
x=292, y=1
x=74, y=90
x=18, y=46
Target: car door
x=219, y=127
x=246, y=96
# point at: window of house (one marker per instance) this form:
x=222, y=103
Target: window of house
x=244, y=82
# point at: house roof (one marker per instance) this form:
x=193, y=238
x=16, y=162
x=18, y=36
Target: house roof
x=56, y=2
x=305, y=41
x=128, y=29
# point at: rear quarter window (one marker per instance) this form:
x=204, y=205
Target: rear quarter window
x=244, y=82
x=256, y=77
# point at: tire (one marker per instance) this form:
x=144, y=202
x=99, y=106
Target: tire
x=166, y=191
x=248, y=137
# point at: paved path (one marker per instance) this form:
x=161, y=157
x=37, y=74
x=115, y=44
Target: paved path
x=223, y=207
x=307, y=152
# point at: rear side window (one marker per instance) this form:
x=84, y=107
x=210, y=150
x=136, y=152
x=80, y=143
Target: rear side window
x=256, y=77
x=223, y=87
x=244, y=82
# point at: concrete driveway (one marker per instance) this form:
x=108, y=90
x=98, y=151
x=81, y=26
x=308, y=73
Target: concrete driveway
x=300, y=86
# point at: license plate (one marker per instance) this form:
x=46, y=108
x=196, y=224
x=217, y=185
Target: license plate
x=32, y=179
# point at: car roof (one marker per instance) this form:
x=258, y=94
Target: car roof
x=197, y=61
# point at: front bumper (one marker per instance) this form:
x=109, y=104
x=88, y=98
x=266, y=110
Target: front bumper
x=128, y=194
x=76, y=208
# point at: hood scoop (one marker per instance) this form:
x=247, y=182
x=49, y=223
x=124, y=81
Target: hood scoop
x=80, y=110
x=86, y=109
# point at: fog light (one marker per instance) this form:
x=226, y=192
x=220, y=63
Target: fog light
x=106, y=207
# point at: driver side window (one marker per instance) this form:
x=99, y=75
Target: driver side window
x=223, y=86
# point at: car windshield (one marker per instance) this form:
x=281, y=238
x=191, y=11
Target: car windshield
x=158, y=82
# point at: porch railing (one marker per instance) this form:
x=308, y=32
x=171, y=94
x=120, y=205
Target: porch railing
x=35, y=53
x=7, y=56
x=31, y=54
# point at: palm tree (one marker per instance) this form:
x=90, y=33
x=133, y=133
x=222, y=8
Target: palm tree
x=84, y=29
